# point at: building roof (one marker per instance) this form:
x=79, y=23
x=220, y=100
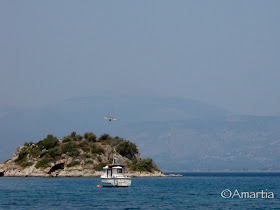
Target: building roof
x=114, y=166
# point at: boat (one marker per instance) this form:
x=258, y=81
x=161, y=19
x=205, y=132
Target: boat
x=114, y=176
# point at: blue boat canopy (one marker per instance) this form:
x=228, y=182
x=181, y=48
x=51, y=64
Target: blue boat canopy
x=115, y=165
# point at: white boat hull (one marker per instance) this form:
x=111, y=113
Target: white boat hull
x=116, y=182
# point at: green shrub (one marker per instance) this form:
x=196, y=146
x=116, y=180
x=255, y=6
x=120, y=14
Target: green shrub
x=97, y=149
x=66, y=139
x=89, y=136
x=74, y=163
x=26, y=164
x=86, y=155
x=74, y=153
x=104, y=137
x=71, y=149
x=86, y=135
x=79, y=137
x=48, y=143
x=34, y=151
x=22, y=154
x=127, y=149
x=89, y=162
x=142, y=165
x=7, y=161
x=73, y=134
x=145, y=164
x=55, y=153
x=42, y=163
x=43, y=154
x=84, y=146
x=100, y=166
x=85, y=149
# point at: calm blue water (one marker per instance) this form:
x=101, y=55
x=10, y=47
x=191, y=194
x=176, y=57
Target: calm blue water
x=194, y=191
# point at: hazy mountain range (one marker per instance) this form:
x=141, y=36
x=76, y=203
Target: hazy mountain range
x=179, y=134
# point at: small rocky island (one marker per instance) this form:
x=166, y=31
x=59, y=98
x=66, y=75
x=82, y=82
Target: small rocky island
x=77, y=156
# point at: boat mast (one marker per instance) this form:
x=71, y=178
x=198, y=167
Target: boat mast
x=114, y=150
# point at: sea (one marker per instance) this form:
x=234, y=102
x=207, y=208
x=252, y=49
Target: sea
x=192, y=191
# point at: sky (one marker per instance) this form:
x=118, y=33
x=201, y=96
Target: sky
x=224, y=53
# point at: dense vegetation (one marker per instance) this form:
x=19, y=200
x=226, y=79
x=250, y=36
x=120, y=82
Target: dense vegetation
x=42, y=163
x=127, y=149
x=84, y=149
x=48, y=143
x=142, y=165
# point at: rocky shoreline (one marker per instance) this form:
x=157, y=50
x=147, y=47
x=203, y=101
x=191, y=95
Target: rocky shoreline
x=9, y=169
x=83, y=174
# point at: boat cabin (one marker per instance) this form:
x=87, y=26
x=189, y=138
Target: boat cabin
x=113, y=171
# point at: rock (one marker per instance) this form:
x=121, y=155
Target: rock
x=174, y=175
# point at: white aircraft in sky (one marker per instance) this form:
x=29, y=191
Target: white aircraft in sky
x=110, y=118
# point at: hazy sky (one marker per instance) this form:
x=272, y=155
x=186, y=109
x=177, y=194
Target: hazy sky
x=225, y=53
